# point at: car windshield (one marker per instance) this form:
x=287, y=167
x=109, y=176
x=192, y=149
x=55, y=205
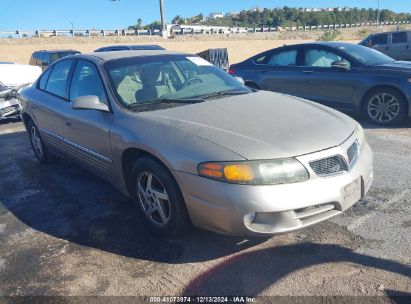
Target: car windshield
x=366, y=55
x=171, y=80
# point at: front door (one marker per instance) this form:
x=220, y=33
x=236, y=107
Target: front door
x=88, y=131
x=327, y=85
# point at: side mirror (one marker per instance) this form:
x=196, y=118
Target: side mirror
x=89, y=102
x=341, y=65
x=240, y=80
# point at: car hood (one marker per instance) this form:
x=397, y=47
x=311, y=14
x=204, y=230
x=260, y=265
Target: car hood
x=404, y=66
x=261, y=125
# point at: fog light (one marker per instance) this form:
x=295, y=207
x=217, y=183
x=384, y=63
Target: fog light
x=249, y=218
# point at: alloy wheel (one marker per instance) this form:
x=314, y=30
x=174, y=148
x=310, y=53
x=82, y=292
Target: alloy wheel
x=153, y=198
x=383, y=107
x=36, y=141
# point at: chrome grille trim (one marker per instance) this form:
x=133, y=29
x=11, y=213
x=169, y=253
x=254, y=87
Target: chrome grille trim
x=353, y=152
x=329, y=166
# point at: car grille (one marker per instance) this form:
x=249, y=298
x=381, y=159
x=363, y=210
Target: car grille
x=329, y=166
x=352, y=152
x=336, y=164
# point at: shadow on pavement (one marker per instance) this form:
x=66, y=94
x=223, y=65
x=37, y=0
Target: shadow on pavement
x=68, y=202
x=269, y=265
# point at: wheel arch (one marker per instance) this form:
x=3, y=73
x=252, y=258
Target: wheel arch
x=26, y=119
x=130, y=155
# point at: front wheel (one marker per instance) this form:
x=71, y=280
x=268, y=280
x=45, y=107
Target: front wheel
x=157, y=195
x=385, y=107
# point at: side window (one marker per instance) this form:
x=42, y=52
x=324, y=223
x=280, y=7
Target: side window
x=43, y=79
x=285, y=58
x=260, y=59
x=57, y=82
x=321, y=58
x=86, y=81
x=380, y=39
x=400, y=37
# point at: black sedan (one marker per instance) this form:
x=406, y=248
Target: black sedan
x=341, y=75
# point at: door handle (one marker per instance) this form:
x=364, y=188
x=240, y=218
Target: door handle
x=67, y=123
x=308, y=72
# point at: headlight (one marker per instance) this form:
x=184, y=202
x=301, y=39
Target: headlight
x=359, y=132
x=264, y=172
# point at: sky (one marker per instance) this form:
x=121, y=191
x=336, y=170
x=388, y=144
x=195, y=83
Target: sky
x=106, y=14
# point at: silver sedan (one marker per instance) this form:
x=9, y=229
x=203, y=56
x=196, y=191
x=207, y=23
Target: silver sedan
x=192, y=145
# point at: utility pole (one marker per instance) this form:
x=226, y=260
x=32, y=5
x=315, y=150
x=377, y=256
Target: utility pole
x=378, y=13
x=163, y=20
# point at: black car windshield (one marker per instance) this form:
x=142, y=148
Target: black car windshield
x=365, y=55
x=184, y=79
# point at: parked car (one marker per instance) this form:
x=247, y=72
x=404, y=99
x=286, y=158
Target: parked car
x=189, y=143
x=13, y=79
x=341, y=75
x=129, y=47
x=394, y=44
x=44, y=58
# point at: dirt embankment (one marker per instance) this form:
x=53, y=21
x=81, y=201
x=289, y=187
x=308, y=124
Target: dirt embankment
x=240, y=46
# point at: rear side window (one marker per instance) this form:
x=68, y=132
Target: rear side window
x=379, y=39
x=400, y=37
x=57, y=83
x=43, y=79
x=285, y=58
x=86, y=81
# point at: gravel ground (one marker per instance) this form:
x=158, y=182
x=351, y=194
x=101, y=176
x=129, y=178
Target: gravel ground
x=64, y=231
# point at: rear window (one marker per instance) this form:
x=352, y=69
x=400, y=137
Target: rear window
x=400, y=37
x=57, y=56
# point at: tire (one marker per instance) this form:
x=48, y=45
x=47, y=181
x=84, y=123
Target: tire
x=37, y=144
x=160, y=202
x=385, y=107
x=252, y=86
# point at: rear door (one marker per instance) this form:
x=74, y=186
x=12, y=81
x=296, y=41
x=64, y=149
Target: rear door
x=51, y=103
x=279, y=71
x=88, y=131
x=400, y=46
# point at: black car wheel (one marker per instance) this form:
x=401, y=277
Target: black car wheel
x=157, y=195
x=385, y=106
x=37, y=144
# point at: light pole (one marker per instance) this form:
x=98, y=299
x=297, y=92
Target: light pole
x=378, y=13
x=163, y=20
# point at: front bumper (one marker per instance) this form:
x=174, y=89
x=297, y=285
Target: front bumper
x=268, y=210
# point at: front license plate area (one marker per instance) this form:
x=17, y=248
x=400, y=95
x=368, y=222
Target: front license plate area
x=352, y=193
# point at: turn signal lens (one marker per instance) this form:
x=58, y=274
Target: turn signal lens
x=238, y=173
x=271, y=172
x=211, y=170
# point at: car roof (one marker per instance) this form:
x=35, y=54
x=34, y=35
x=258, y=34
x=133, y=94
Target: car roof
x=57, y=51
x=131, y=47
x=107, y=56
x=391, y=32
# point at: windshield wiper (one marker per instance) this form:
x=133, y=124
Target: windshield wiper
x=223, y=93
x=166, y=100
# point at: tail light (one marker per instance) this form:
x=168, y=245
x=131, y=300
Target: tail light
x=231, y=71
